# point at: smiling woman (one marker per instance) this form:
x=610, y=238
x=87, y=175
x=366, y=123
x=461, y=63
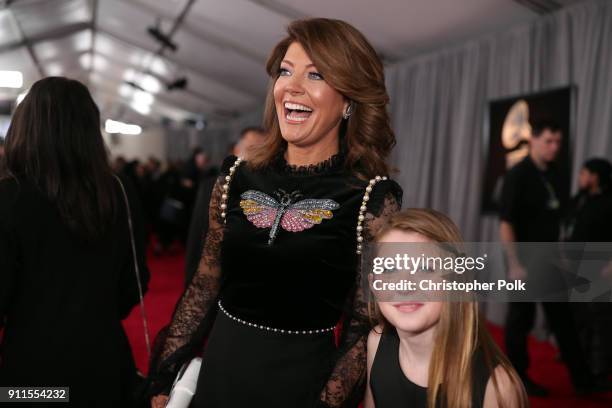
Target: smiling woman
x=327, y=90
x=280, y=262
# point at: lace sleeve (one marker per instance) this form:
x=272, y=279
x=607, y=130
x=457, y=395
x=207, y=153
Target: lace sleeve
x=346, y=386
x=194, y=313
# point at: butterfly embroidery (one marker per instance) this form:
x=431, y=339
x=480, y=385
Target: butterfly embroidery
x=265, y=211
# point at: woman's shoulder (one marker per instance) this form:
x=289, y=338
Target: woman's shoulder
x=381, y=192
x=229, y=162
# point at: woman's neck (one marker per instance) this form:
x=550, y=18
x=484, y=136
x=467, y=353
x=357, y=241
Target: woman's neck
x=304, y=156
x=415, y=354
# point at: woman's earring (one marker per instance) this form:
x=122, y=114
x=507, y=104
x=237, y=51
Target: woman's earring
x=349, y=111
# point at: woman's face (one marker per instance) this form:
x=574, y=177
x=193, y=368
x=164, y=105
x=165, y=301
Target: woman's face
x=411, y=317
x=309, y=110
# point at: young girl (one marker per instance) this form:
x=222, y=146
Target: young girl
x=434, y=354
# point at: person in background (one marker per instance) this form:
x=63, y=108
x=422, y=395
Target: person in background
x=530, y=211
x=171, y=207
x=119, y=164
x=191, y=175
x=250, y=137
x=67, y=273
x=590, y=220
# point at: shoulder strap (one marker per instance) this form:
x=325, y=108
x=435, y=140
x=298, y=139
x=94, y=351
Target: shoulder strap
x=364, y=208
x=136, y=267
x=226, y=186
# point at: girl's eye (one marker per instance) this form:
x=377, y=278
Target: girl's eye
x=283, y=72
x=315, y=75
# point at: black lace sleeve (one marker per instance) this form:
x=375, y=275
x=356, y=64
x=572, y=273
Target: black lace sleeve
x=183, y=338
x=346, y=385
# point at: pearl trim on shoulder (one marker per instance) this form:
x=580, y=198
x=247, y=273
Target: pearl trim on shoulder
x=226, y=186
x=273, y=329
x=363, y=209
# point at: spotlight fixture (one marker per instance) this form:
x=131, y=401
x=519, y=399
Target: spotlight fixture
x=134, y=85
x=179, y=83
x=198, y=122
x=162, y=38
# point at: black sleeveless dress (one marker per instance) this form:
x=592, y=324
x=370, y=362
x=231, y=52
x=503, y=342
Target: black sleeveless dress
x=392, y=389
x=272, y=287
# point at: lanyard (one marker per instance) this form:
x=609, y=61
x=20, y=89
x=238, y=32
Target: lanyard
x=553, y=201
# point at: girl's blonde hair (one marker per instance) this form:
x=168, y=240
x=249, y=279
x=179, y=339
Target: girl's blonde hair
x=450, y=371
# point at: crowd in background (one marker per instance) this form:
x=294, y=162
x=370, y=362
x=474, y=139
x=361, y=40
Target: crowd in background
x=170, y=191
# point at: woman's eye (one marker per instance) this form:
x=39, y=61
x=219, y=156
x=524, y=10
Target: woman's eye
x=315, y=75
x=283, y=72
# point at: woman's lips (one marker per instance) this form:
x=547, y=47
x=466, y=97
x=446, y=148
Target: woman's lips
x=407, y=307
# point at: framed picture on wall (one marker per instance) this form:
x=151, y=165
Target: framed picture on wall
x=509, y=131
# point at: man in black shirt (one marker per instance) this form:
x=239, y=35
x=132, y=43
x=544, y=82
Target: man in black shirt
x=530, y=211
x=590, y=220
x=590, y=215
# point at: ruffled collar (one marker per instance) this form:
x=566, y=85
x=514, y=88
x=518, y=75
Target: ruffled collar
x=329, y=165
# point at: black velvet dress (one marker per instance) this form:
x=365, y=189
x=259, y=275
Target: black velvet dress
x=272, y=284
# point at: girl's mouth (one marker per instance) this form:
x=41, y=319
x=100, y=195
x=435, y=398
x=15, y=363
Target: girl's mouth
x=407, y=307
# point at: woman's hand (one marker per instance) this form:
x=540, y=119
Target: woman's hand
x=159, y=401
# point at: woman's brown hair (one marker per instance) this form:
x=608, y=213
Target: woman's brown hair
x=54, y=142
x=350, y=65
x=450, y=370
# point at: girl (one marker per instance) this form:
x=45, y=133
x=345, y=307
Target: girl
x=434, y=354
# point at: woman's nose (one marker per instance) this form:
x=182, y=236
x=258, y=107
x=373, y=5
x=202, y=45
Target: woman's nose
x=294, y=86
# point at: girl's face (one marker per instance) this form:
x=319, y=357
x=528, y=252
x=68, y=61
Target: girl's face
x=308, y=108
x=411, y=317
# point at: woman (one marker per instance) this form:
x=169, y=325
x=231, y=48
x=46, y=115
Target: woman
x=416, y=359
x=279, y=266
x=66, y=269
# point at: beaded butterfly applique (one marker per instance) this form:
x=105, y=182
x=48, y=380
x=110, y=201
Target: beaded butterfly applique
x=265, y=211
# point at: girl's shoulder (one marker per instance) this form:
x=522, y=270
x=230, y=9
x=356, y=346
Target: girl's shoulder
x=374, y=336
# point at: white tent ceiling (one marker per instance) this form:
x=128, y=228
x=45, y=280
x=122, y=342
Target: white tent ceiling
x=222, y=44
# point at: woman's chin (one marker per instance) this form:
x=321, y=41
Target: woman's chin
x=294, y=137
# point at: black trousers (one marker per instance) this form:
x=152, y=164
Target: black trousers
x=520, y=321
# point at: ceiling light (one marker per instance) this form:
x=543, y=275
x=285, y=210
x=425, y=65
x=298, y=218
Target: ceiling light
x=143, y=98
x=21, y=96
x=11, y=79
x=125, y=90
x=150, y=84
x=114, y=126
x=141, y=108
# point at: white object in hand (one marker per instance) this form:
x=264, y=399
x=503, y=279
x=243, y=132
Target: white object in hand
x=185, y=387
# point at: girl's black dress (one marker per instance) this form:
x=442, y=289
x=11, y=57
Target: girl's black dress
x=254, y=284
x=392, y=389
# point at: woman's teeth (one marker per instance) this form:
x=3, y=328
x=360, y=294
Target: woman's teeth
x=297, y=112
x=297, y=106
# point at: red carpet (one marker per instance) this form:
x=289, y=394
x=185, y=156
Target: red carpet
x=167, y=284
